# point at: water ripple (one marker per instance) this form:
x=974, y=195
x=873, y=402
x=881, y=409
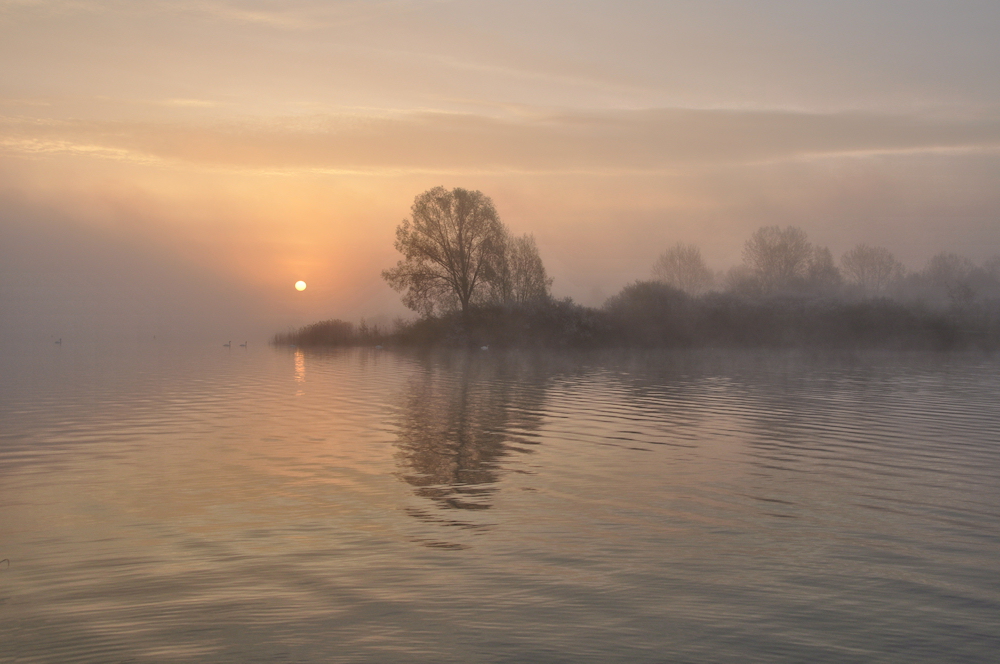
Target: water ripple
x=178, y=504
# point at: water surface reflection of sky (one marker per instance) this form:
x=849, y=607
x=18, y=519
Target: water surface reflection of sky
x=169, y=503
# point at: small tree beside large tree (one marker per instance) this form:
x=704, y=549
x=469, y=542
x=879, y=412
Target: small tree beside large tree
x=518, y=276
x=457, y=253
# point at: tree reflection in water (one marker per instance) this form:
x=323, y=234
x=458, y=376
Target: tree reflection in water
x=461, y=418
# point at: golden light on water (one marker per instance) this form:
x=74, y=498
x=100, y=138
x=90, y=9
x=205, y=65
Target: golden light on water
x=300, y=285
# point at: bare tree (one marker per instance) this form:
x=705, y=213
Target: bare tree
x=822, y=274
x=778, y=258
x=518, y=274
x=954, y=274
x=529, y=281
x=871, y=269
x=682, y=267
x=449, y=246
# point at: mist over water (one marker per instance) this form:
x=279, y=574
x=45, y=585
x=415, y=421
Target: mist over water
x=179, y=503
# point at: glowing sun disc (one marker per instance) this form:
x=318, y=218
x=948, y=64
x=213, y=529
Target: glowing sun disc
x=300, y=285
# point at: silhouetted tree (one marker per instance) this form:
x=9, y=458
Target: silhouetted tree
x=953, y=274
x=519, y=276
x=822, y=274
x=682, y=267
x=449, y=246
x=871, y=269
x=777, y=258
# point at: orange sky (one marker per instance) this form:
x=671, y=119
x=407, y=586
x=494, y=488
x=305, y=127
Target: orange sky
x=178, y=165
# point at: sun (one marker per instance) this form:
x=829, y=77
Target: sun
x=300, y=285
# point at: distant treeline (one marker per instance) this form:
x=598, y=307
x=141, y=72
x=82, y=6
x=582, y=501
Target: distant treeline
x=652, y=314
x=474, y=284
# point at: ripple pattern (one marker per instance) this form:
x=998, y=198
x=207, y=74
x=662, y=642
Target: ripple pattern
x=166, y=504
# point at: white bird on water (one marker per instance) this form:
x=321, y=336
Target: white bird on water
x=243, y=345
x=227, y=345
x=60, y=341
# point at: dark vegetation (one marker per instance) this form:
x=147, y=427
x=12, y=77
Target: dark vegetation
x=475, y=285
x=332, y=333
x=654, y=315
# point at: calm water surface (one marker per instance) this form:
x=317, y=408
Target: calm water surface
x=177, y=504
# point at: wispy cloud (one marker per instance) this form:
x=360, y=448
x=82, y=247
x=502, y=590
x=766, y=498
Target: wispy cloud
x=434, y=142
x=36, y=146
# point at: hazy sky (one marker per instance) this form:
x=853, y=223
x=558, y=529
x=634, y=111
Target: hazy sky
x=173, y=166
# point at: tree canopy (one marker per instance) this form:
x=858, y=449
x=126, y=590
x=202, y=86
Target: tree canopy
x=682, y=267
x=519, y=276
x=871, y=269
x=457, y=252
x=778, y=257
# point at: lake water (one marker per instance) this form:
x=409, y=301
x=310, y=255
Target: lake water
x=178, y=504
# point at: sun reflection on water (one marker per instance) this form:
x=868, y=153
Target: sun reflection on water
x=300, y=367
